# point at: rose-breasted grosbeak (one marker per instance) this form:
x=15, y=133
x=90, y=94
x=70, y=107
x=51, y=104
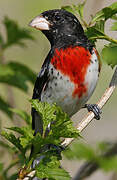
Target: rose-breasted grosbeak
x=70, y=71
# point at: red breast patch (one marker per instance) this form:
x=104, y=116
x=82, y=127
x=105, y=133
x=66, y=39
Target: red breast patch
x=73, y=62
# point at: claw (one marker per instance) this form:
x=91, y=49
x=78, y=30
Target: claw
x=58, y=149
x=95, y=109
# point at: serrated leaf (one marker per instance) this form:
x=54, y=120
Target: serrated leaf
x=100, y=25
x=105, y=13
x=46, y=111
x=38, y=142
x=27, y=135
x=22, y=114
x=25, y=70
x=114, y=26
x=61, y=124
x=4, y=106
x=109, y=54
x=17, y=129
x=49, y=167
x=48, y=162
x=58, y=174
x=12, y=139
x=15, y=34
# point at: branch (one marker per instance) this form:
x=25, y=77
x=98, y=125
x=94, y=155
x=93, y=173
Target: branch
x=88, y=118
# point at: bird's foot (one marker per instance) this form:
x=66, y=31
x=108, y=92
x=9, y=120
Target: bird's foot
x=95, y=109
x=56, y=149
x=48, y=147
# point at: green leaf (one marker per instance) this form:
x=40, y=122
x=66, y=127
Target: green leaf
x=6, y=71
x=17, y=129
x=17, y=80
x=108, y=164
x=81, y=151
x=80, y=8
x=15, y=34
x=1, y=167
x=109, y=54
x=68, y=8
x=58, y=174
x=22, y=114
x=49, y=168
x=13, y=177
x=25, y=70
x=45, y=164
x=12, y=139
x=27, y=135
x=38, y=142
x=61, y=124
x=114, y=27
x=93, y=34
x=46, y=111
x=17, y=75
x=114, y=17
x=4, y=106
x=7, y=147
x=100, y=25
x=27, y=138
x=105, y=13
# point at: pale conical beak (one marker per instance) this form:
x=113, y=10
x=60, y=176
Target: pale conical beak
x=40, y=23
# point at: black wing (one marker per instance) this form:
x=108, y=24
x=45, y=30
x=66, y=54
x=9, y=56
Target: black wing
x=41, y=80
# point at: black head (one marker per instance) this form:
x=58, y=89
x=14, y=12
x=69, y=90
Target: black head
x=57, y=25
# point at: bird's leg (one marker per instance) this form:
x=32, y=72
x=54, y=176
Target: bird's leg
x=48, y=147
x=56, y=149
x=95, y=109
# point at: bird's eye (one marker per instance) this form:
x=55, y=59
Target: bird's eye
x=57, y=18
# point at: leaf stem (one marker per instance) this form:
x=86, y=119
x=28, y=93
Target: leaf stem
x=106, y=38
x=111, y=39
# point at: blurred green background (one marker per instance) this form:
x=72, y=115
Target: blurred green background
x=33, y=56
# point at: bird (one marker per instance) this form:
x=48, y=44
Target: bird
x=70, y=72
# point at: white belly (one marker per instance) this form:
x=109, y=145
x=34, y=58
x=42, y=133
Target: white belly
x=60, y=89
